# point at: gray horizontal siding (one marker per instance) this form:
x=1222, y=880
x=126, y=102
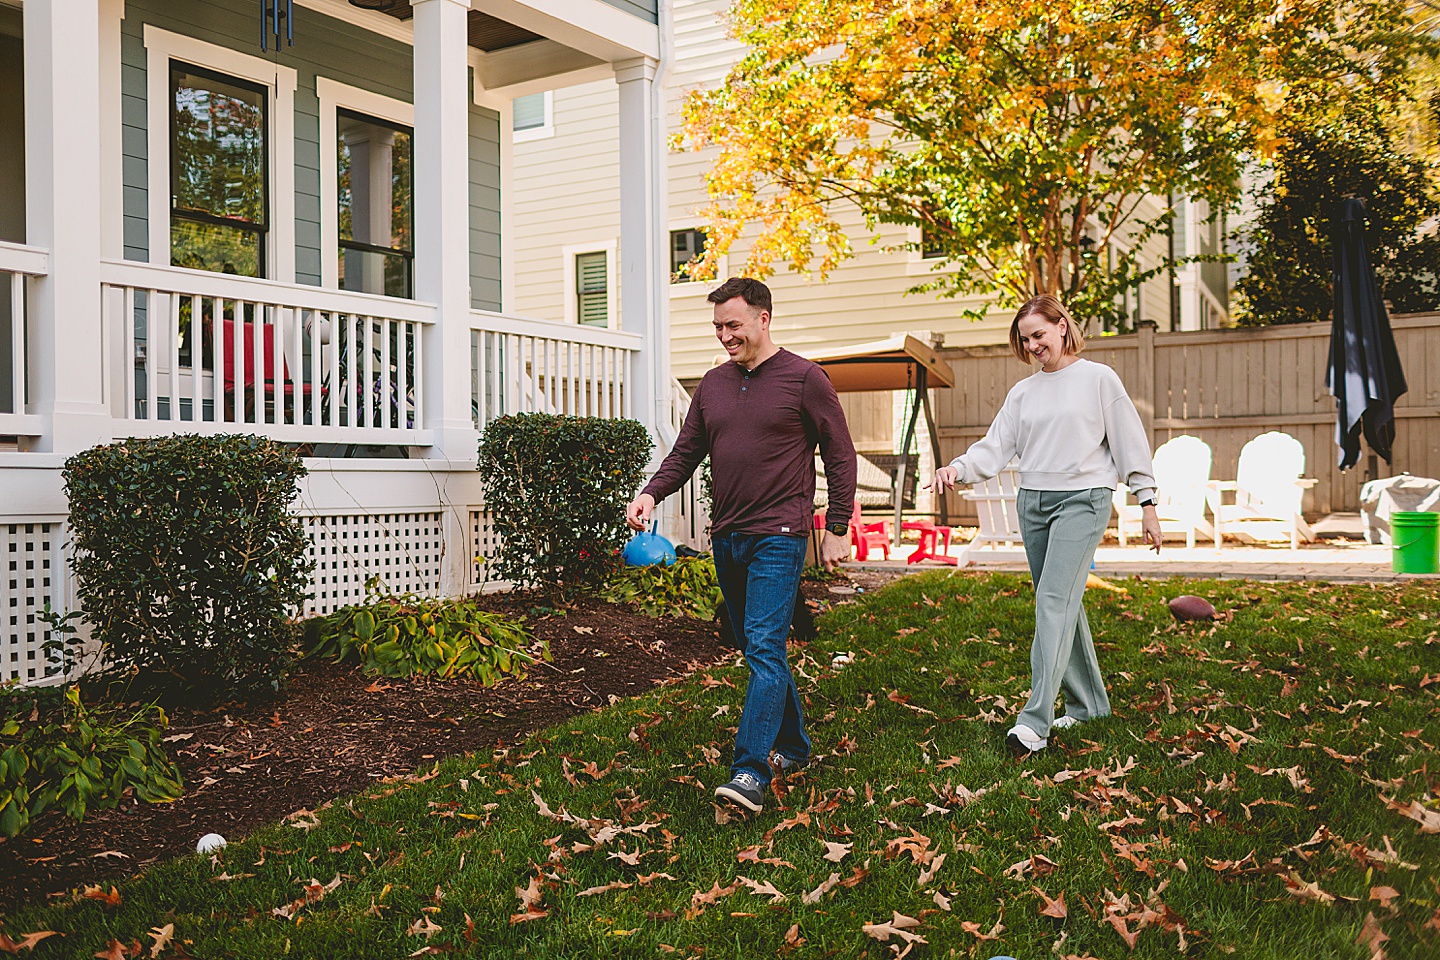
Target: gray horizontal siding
x=484, y=209
x=648, y=10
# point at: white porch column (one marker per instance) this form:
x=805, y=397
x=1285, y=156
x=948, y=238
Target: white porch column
x=442, y=219
x=442, y=251
x=62, y=164
x=644, y=271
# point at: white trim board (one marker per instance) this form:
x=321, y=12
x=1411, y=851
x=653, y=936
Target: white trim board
x=161, y=46
x=612, y=280
x=334, y=95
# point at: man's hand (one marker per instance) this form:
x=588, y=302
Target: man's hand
x=638, y=513
x=1150, y=527
x=833, y=550
x=945, y=478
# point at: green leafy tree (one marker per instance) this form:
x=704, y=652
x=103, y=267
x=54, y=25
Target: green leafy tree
x=1011, y=133
x=1290, y=255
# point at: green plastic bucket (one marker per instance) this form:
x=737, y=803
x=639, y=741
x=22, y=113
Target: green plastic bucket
x=1415, y=539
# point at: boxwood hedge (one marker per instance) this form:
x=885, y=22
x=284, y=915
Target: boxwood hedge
x=557, y=487
x=187, y=558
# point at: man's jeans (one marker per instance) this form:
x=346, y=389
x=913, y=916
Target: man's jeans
x=759, y=577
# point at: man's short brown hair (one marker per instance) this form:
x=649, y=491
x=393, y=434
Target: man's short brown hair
x=753, y=292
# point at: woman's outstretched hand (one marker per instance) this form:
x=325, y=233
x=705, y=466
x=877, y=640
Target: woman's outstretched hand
x=944, y=479
x=1150, y=527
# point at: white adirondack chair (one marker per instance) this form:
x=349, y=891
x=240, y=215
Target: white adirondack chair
x=1269, y=486
x=1182, y=476
x=994, y=501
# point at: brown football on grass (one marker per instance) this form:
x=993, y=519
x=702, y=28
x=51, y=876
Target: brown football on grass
x=1189, y=607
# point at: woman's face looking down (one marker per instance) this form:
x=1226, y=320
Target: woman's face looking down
x=1045, y=341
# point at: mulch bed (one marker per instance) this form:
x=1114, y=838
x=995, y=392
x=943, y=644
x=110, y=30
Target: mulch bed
x=333, y=730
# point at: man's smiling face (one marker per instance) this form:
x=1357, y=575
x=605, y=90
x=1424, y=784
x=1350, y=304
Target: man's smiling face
x=741, y=330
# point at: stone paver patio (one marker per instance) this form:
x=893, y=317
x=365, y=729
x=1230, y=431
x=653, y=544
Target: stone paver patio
x=1339, y=561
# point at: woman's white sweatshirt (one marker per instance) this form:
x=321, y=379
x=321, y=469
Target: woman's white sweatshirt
x=1072, y=430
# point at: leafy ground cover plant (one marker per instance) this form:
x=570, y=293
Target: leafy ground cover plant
x=55, y=753
x=686, y=588
x=405, y=635
x=187, y=559
x=563, y=483
x=1266, y=789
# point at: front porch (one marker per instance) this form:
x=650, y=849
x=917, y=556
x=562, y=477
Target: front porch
x=330, y=270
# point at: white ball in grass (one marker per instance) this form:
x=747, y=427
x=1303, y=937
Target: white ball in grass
x=210, y=843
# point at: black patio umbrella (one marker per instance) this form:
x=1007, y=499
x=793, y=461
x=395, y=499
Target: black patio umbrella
x=1364, y=376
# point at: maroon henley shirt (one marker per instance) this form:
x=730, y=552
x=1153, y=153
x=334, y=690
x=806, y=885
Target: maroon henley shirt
x=760, y=428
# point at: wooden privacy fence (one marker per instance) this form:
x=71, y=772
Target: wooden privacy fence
x=1225, y=387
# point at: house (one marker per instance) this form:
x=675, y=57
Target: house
x=293, y=218
x=568, y=232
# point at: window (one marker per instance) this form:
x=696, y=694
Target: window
x=219, y=172
x=532, y=116
x=930, y=247
x=592, y=293
x=686, y=247
x=375, y=201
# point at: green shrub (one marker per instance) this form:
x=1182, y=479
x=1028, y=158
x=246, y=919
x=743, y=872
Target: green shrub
x=64, y=756
x=686, y=588
x=187, y=558
x=397, y=636
x=558, y=487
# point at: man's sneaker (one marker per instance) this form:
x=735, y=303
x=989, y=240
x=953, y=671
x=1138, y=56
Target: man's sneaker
x=1064, y=723
x=783, y=765
x=1024, y=740
x=743, y=791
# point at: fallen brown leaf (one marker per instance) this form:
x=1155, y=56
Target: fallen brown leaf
x=898, y=925
x=27, y=941
x=1386, y=895
x=612, y=885
x=1306, y=891
x=1052, y=908
x=1373, y=937
x=111, y=899
x=828, y=884
x=1428, y=819
x=162, y=937
x=765, y=889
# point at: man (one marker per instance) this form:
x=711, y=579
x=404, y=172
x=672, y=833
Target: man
x=760, y=418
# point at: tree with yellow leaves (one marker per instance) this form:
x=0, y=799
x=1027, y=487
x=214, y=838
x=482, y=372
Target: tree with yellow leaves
x=1022, y=139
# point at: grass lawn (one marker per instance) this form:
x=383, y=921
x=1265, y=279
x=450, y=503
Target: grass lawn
x=1242, y=801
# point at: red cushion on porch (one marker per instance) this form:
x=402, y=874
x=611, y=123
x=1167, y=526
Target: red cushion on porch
x=267, y=347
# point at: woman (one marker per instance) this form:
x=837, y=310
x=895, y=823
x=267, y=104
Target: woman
x=1076, y=433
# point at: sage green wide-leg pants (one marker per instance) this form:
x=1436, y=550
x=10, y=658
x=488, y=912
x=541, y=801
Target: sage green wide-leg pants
x=1061, y=529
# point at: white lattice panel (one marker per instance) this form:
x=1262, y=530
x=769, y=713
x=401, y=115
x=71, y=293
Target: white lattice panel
x=402, y=549
x=32, y=573
x=484, y=542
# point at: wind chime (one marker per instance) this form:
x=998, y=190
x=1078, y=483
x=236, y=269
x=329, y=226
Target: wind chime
x=277, y=20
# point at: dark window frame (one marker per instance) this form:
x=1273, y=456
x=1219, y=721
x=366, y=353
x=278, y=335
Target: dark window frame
x=675, y=275
x=407, y=255
x=262, y=229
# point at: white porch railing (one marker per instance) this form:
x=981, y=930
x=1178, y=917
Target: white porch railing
x=686, y=512
x=17, y=264
x=204, y=352
x=538, y=366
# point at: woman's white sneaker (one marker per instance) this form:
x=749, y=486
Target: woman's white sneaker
x=1024, y=740
x=1064, y=723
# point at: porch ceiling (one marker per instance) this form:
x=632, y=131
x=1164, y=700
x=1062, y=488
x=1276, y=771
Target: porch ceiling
x=485, y=32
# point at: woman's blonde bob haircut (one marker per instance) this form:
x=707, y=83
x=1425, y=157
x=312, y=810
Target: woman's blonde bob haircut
x=1054, y=312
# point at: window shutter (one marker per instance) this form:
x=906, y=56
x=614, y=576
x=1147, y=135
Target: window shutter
x=591, y=289
x=529, y=112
